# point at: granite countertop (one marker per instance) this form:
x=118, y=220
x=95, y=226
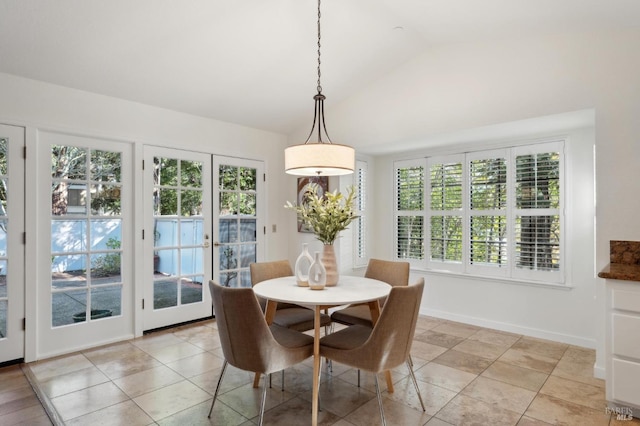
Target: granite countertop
x=625, y=261
x=621, y=271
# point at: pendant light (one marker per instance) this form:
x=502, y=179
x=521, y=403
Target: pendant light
x=320, y=158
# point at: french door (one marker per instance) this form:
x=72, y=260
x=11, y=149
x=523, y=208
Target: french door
x=177, y=236
x=238, y=219
x=11, y=247
x=84, y=285
x=203, y=219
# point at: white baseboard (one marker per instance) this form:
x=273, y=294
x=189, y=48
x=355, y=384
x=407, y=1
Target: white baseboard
x=513, y=328
x=599, y=372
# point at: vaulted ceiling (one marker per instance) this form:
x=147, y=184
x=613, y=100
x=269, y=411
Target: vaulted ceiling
x=253, y=62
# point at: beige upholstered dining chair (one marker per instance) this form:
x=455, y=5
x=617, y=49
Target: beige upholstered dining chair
x=248, y=343
x=386, y=345
x=287, y=315
x=393, y=273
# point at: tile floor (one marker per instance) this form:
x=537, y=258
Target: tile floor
x=467, y=375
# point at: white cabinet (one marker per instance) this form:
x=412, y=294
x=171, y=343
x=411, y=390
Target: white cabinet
x=623, y=344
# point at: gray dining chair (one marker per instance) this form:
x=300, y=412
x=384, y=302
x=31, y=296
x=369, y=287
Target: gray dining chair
x=394, y=273
x=386, y=345
x=287, y=315
x=248, y=343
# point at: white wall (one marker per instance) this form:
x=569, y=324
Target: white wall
x=551, y=312
x=467, y=86
x=42, y=106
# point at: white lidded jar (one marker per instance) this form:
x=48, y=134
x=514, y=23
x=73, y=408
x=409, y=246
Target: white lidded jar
x=303, y=263
x=317, y=273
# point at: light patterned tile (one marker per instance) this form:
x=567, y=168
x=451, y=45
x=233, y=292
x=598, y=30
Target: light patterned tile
x=556, y=411
x=426, y=351
x=129, y=364
x=126, y=412
x=495, y=337
x=576, y=392
x=577, y=365
x=433, y=397
x=438, y=338
x=463, y=361
x=463, y=410
x=70, y=382
x=195, y=365
x=528, y=421
x=105, y=354
x=426, y=323
x=233, y=378
x=529, y=360
x=154, y=341
x=500, y=394
x=482, y=349
x=197, y=416
x=395, y=413
x=456, y=329
x=515, y=375
x=87, y=400
x=545, y=348
x=58, y=366
x=445, y=377
x=296, y=411
x=246, y=399
x=147, y=381
x=340, y=397
x=171, y=399
x=170, y=353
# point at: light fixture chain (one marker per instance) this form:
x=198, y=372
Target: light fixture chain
x=319, y=85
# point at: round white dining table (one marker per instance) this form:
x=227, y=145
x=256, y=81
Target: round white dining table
x=349, y=290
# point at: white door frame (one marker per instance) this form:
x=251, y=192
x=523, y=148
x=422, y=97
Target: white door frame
x=50, y=341
x=260, y=207
x=151, y=317
x=13, y=345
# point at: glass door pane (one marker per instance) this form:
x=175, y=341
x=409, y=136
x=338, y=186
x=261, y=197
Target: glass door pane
x=86, y=235
x=179, y=188
x=240, y=230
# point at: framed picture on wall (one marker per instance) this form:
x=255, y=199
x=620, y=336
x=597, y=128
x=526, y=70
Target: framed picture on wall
x=303, y=183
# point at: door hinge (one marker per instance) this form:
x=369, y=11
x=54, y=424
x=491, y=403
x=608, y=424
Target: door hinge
x=264, y=177
x=143, y=234
x=24, y=238
x=264, y=230
x=24, y=152
x=142, y=303
x=24, y=324
x=142, y=164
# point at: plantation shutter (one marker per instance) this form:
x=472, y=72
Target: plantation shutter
x=488, y=210
x=537, y=225
x=445, y=211
x=360, y=225
x=409, y=209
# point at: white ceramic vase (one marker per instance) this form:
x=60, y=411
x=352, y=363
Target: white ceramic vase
x=303, y=263
x=317, y=273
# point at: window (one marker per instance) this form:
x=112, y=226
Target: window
x=409, y=207
x=495, y=213
x=360, y=224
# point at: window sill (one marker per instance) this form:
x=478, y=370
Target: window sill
x=504, y=280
